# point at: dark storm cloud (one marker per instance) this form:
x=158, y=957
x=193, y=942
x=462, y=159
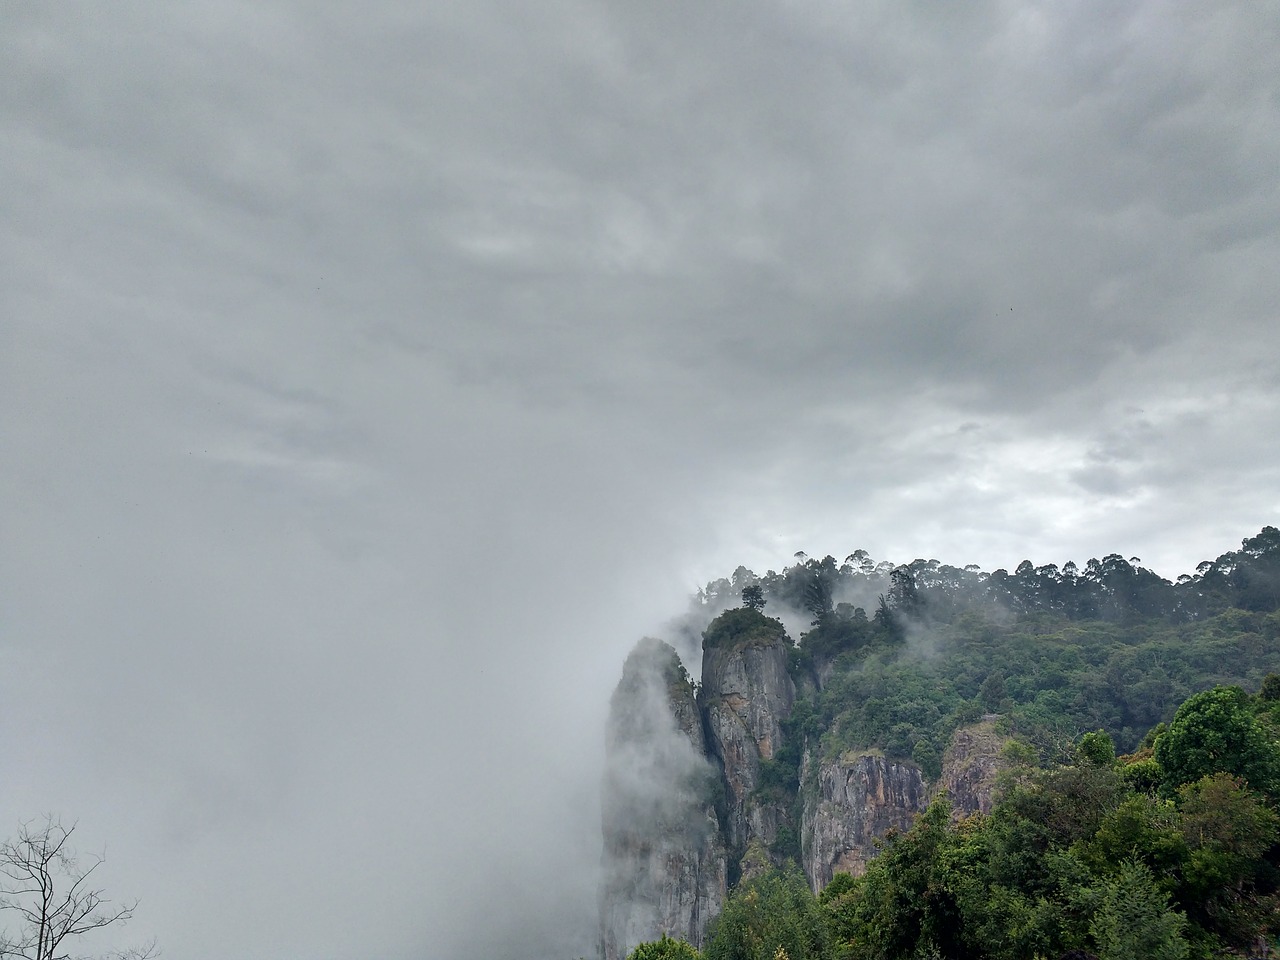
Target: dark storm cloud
x=370, y=381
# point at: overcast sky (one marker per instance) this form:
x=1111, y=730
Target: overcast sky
x=373, y=376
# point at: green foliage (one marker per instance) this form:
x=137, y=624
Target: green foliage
x=1112, y=589
x=753, y=597
x=1133, y=919
x=1230, y=884
x=926, y=755
x=904, y=905
x=1057, y=680
x=840, y=884
x=664, y=948
x=1142, y=774
x=1077, y=859
x=1140, y=828
x=837, y=634
x=771, y=912
x=1270, y=690
x=992, y=691
x=743, y=627
x=1172, y=851
x=1098, y=748
x=1216, y=732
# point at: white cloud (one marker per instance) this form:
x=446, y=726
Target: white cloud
x=370, y=382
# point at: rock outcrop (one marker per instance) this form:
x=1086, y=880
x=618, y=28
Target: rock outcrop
x=859, y=798
x=686, y=808
x=970, y=767
x=746, y=695
x=665, y=866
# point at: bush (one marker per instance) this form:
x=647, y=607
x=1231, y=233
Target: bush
x=773, y=912
x=743, y=627
x=664, y=948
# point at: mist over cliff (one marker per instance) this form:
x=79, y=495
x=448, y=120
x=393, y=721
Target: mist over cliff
x=809, y=755
x=372, y=377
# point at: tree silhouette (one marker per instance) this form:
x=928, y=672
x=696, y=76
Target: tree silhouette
x=43, y=881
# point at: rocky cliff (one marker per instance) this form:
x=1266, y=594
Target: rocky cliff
x=746, y=695
x=970, y=767
x=853, y=800
x=681, y=798
x=685, y=798
x=664, y=863
x=856, y=800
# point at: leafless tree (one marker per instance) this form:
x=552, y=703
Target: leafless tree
x=46, y=885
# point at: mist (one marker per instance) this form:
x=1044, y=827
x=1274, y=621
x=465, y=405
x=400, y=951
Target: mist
x=370, y=384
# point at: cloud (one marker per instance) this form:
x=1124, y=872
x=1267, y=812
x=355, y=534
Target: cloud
x=369, y=383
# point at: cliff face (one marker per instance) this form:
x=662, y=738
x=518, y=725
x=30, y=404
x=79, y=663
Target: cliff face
x=683, y=806
x=680, y=802
x=970, y=767
x=859, y=798
x=746, y=695
x=664, y=863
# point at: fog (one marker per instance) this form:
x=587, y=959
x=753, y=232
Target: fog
x=371, y=381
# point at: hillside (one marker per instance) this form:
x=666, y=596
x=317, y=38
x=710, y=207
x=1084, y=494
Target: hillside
x=807, y=751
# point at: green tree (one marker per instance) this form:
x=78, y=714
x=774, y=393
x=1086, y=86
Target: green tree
x=1270, y=687
x=743, y=627
x=1230, y=884
x=839, y=900
x=1141, y=828
x=773, y=911
x=664, y=948
x=1098, y=748
x=1217, y=732
x=992, y=692
x=906, y=906
x=1134, y=919
x=817, y=598
x=753, y=597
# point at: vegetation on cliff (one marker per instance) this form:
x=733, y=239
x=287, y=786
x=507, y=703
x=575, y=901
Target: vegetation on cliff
x=1170, y=852
x=743, y=627
x=1052, y=651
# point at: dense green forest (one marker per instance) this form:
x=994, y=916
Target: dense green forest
x=1055, y=651
x=1169, y=850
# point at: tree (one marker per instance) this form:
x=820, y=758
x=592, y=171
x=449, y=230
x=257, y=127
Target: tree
x=905, y=905
x=817, y=596
x=903, y=592
x=772, y=912
x=1229, y=885
x=664, y=948
x=992, y=691
x=1097, y=748
x=44, y=882
x=753, y=597
x=1134, y=919
x=887, y=622
x=1270, y=687
x=1216, y=732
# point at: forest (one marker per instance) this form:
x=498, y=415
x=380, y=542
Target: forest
x=1138, y=810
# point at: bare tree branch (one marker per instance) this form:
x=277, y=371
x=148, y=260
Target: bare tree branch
x=45, y=886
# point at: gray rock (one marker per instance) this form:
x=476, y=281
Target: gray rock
x=970, y=767
x=664, y=864
x=858, y=800
x=746, y=695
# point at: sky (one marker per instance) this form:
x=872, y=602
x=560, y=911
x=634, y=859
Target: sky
x=372, y=378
